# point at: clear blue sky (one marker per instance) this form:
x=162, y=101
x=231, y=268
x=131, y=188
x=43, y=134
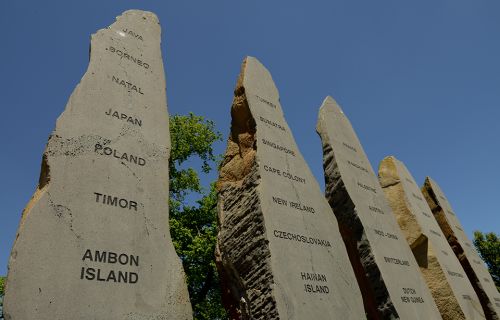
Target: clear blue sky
x=418, y=79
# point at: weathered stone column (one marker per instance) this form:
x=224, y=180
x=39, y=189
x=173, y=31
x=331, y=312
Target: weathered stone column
x=280, y=252
x=463, y=248
x=452, y=291
x=94, y=242
x=390, y=280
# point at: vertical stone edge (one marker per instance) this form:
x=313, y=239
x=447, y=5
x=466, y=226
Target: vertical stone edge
x=41, y=188
x=440, y=215
x=242, y=251
x=376, y=299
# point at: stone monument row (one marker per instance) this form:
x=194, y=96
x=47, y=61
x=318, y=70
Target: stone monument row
x=385, y=267
x=93, y=242
x=463, y=248
x=450, y=287
x=280, y=252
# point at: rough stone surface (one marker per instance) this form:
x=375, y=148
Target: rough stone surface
x=93, y=242
x=463, y=248
x=280, y=252
x=392, y=285
x=450, y=287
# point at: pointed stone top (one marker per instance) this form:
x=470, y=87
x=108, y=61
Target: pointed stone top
x=330, y=105
x=431, y=184
x=255, y=78
x=135, y=25
x=430, y=180
x=146, y=15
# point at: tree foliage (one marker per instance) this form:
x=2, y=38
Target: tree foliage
x=2, y=286
x=2, y=292
x=193, y=223
x=488, y=245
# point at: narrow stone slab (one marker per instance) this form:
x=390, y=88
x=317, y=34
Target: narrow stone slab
x=450, y=287
x=388, y=274
x=280, y=251
x=93, y=242
x=463, y=248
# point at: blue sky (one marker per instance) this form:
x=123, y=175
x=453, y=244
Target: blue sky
x=418, y=79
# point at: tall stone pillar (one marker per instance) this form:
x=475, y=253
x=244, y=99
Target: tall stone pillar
x=94, y=242
x=389, y=277
x=442, y=271
x=281, y=255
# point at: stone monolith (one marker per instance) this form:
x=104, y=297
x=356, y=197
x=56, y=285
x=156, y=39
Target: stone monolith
x=450, y=287
x=463, y=248
x=94, y=242
x=390, y=280
x=280, y=252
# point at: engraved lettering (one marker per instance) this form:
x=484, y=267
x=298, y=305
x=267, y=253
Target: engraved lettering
x=313, y=276
x=124, y=117
x=409, y=298
x=357, y=166
x=397, y=261
x=280, y=201
x=435, y=233
x=417, y=197
x=106, y=275
x=122, y=54
x=133, y=34
x=455, y=274
x=285, y=174
x=278, y=147
x=375, y=209
x=301, y=238
x=272, y=123
x=107, y=151
x=314, y=288
x=272, y=105
x=115, y=201
x=349, y=147
x=385, y=234
x=309, y=288
x=127, y=85
x=294, y=177
x=364, y=186
x=295, y=205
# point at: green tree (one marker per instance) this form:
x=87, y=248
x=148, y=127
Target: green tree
x=2, y=292
x=193, y=223
x=2, y=286
x=488, y=245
